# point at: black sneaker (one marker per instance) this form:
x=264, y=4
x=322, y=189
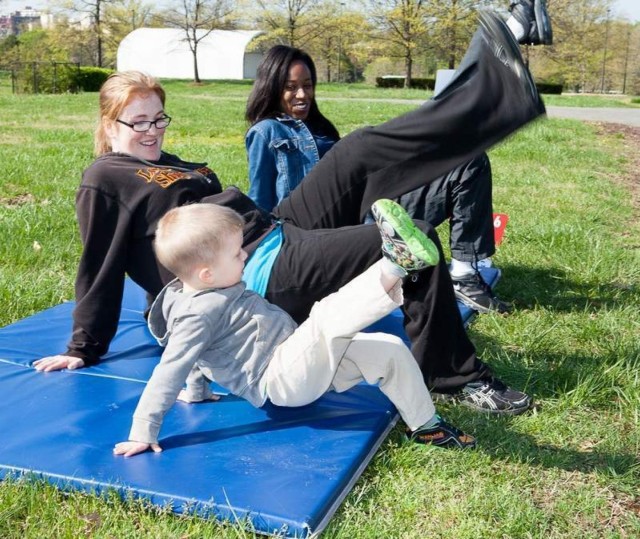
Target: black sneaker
x=474, y=292
x=534, y=19
x=442, y=434
x=506, y=49
x=489, y=395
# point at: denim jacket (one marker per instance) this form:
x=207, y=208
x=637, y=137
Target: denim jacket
x=281, y=153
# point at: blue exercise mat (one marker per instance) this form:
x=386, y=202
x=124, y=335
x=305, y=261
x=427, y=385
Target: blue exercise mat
x=281, y=471
x=276, y=470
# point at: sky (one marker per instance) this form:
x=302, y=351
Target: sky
x=629, y=9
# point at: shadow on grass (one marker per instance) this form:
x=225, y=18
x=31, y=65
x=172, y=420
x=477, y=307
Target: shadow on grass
x=497, y=439
x=604, y=379
x=602, y=363
x=501, y=442
x=557, y=290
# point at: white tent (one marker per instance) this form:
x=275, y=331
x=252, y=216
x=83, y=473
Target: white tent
x=164, y=53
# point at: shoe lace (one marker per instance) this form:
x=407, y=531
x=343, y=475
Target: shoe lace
x=489, y=383
x=480, y=282
x=496, y=384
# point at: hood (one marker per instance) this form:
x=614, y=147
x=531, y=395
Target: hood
x=161, y=308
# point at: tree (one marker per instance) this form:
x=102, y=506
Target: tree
x=197, y=19
x=631, y=62
x=120, y=18
x=39, y=61
x=589, y=48
x=9, y=49
x=326, y=29
x=336, y=43
x=94, y=9
x=451, y=24
x=290, y=22
x=401, y=26
x=73, y=43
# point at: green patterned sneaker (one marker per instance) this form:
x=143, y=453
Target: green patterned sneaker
x=403, y=243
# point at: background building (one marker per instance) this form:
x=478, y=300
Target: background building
x=20, y=21
x=165, y=53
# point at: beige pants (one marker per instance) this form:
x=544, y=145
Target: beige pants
x=327, y=352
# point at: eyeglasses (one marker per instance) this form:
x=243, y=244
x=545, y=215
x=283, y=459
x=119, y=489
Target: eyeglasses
x=141, y=127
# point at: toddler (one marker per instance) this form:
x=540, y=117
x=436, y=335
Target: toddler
x=213, y=328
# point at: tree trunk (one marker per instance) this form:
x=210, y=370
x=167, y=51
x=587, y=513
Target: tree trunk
x=99, y=32
x=196, y=73
x=408, y=68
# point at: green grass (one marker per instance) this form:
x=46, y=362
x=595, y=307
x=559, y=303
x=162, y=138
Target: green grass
x=592, y=100
x=571, y=265
x=238, y=90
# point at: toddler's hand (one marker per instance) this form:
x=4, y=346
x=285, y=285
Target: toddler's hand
x=129, y=449
x=184, y=397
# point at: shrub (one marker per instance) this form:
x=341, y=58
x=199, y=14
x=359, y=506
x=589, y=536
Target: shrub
x=549, y=88
x=398, y=82
x=90, y=79
x=57, y=77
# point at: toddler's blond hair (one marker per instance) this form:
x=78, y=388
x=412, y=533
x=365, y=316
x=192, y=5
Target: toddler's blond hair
x=191, y=235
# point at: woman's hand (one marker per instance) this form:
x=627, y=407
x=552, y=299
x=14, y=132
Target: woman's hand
x=57, y=363
x=129, y=449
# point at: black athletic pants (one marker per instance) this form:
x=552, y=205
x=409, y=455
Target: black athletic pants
x=464, y=198
x=325, y=247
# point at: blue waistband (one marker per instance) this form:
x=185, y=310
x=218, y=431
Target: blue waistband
x=257, y=269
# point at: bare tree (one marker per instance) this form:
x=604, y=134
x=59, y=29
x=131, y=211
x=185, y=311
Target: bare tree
x=124, y=16
x=120, y=18
x=197, y=19
x=95, y=10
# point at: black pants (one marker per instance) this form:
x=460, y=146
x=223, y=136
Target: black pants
x=325, y=246
x=464, y=197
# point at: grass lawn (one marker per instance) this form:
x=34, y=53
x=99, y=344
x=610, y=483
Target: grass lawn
x=571, y=265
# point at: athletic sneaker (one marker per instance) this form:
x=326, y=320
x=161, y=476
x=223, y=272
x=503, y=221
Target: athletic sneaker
x=534, y=19
x=489, y=395
x=442, y=434
x=403, y=243
x=474, y=292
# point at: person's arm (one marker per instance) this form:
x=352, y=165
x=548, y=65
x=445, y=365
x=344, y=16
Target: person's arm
x=190, y=337
x=105, y=229
x=263, y=172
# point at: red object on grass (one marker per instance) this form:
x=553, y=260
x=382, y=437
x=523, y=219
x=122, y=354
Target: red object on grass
x=500, y=221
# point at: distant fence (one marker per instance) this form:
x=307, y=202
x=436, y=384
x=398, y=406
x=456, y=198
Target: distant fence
x=42, y=77
x=5, y=81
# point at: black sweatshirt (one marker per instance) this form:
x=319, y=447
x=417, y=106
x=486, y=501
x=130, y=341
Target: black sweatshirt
x=118, y=204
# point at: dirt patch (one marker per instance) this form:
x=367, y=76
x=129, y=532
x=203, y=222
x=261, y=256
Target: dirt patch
x=17, y=200
x=630, y=142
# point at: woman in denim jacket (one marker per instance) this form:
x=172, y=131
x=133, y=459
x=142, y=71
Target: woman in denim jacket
x=288, y=133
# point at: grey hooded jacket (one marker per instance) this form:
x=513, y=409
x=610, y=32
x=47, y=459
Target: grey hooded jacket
x=228, y=335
